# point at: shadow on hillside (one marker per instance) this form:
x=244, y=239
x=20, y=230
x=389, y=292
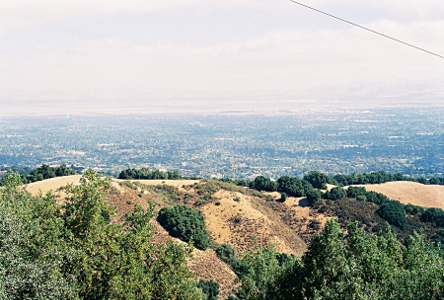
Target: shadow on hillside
x=304, y=202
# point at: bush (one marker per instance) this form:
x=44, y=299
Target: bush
x=313, y=196
x=183, y=222
x=393, y=212
x=376, y=198
x=291, y=186
x=317, y=179
x=262, y=183
x=209, y=288
x=283, y=197
x=336, y=193
x=434, y=215
x=269, y=198
x=355, y=191
x=226, y=253
x=414, y=210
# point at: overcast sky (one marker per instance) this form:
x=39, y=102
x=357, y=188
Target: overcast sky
x=146, y=56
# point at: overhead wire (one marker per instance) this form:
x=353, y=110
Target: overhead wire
x=368, y=29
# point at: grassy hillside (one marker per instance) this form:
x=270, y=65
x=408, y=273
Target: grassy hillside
x=249, y=219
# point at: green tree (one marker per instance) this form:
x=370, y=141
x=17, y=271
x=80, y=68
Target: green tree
x=227, y=253
x=183, y=222
x=313, y=196
x=317, y=179
x=394, y=213
x=262, y=183
x=336, y=193
x=209, y=288
x=291, y=186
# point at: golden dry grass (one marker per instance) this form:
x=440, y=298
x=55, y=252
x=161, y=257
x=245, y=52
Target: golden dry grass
x=175, y=183
x=411, y=192
x=53, y=184
x=253, y=223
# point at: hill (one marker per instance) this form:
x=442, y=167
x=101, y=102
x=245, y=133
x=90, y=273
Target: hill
x=232, y=215
x=244, y=217
x=411, y=192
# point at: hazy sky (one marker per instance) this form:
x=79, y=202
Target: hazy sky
x=147, y=56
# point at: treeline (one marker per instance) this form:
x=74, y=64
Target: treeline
x=43, y=172
x=292, y=186
x=382, y=177
x=146, y=173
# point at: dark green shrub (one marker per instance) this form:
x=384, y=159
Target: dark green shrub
x=434, y=215
x=183, y=222
x=291, y=186
x=283, y=197
x=209, y=288
x=361, y=198
x=376, y=198
x=317, y=179
x=313, y=196
x=414, y=210
x=393, y=212
x=227, y=253
x=262, y=183
x=355, y=191
x=336, y=193
x=438, y=239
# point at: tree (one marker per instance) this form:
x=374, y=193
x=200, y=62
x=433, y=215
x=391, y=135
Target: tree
x=209, y=288
x=183, y=222
x=262, y=183
x=227, y=253
x=291, y=185
x=63, y=170
x=313, y=196
x=317, y=179
x=393, y=212
x=336, y=193
x=74, y=252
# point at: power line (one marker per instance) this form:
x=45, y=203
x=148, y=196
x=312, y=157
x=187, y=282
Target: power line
x=368, y=29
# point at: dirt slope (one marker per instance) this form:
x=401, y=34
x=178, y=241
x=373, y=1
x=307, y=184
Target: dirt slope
x=411, y=192
x=238, y=219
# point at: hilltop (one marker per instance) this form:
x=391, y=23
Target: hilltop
x=411, y=193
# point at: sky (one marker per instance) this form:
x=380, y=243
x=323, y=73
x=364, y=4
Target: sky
x=139, y=56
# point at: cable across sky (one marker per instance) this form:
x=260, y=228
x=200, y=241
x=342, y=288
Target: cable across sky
x=368, y=29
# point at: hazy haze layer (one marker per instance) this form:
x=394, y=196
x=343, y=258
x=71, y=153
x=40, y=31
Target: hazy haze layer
x=124, y=57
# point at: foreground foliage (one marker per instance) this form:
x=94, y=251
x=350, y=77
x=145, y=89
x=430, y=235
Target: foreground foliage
x=48, y=251
x=356, y=266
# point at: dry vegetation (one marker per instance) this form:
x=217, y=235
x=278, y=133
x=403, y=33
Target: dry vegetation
x=411, y=192
x=243, y=217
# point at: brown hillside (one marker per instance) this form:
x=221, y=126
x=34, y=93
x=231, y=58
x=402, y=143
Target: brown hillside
x=239, y=219
x=411, y=192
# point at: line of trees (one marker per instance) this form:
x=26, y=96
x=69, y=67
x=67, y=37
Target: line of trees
x=146, y=173
x=382, y=177
x=43, y=172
